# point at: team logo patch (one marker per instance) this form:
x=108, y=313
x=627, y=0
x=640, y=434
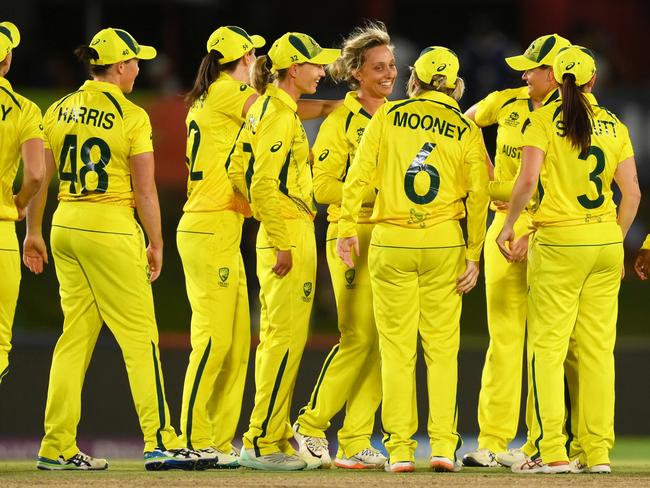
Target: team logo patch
x=513, y=119
x=307, y=289
x=349, y=278
x=360, y=131
x=418, y=218
x=223, y=276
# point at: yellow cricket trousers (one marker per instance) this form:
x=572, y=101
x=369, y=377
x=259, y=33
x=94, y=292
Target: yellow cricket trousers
x=574, y=277
x=208, y=243
x=100, y=260
x=9, y=286
x=506, y=296
x=286, y=304
x=350, y=375
x=413, y=274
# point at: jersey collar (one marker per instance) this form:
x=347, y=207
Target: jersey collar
x=591, y=98
x=283, y=96
x=439, y=97
x=4, y=83
x=353, y=104
x=552, y=96
x=102, y=86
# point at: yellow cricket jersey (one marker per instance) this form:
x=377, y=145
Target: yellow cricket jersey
x=273, y=160
x=424, y=157
x=509, y=109
x=337, y=141
x=213, y=125
x=20, y=121
x=575, y=188
x=93, y=132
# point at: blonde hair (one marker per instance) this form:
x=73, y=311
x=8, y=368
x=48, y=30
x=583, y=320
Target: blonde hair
x=416, y=86
x=261, y=74
x=353, y=52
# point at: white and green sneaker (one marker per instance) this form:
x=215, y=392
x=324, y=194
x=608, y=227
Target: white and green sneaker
x=186, y=459
x=78, y=461
x=223, y=460
x=276, y=461
x=369, y=458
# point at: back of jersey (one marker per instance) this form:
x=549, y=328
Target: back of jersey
x=93, y=132
x=429, y=157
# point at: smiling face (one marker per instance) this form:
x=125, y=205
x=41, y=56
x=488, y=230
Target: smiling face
x=306, y=77
x=540, y=82
x=377, y=75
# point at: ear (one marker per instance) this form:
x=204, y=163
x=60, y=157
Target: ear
x=121, y=66
x=293, y=70
x=357, y=75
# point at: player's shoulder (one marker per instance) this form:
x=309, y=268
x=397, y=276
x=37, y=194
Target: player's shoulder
x=504, y=99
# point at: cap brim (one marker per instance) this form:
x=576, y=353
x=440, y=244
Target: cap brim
x=326, y=56
x=521, y=63
x=146, y=52
x=13, y=31
x=258, y=41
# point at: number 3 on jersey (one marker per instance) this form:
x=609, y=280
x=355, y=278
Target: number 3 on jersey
x=584, y=200
x=87, y=153
x=417, y=166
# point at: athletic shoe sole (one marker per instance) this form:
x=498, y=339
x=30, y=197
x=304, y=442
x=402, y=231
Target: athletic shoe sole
x=46, y=464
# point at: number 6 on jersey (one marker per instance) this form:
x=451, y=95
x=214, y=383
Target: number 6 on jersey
x=417, y=166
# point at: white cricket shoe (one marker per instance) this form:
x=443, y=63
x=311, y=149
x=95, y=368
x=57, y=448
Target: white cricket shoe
x=400, y=467
x=533, y=466
x=222, y=459
x=276, y=461
x=314, y=450
x=186, y=459
x=481, y=458
x=443, y=465
x=600, y=469
x=510, y=457
x=369, y=458
x=78, y=461
x=577, y=467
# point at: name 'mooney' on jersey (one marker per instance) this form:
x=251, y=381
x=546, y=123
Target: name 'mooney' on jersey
x=424, y=157
x=574, y=187
x=92, y=133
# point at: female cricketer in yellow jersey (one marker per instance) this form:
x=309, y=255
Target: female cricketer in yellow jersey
x=21, y=134
x=101, y=144
x=573, y=149
x=208, y=238
x=505, y=283
x=350, y=376
x=275, y=154
x=424, y=157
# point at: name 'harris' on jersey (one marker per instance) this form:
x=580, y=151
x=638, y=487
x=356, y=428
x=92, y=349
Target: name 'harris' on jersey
x=574, y=187
x=434, y=181
x=92, y=133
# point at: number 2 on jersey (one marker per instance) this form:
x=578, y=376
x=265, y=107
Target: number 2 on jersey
x=417, y=166
x=71, y=150
x=584, y=200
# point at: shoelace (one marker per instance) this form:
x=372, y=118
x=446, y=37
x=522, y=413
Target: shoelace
x=369, y=451
x=79, y=459
x=532, y=463
x=316, y=443
x=186, y=453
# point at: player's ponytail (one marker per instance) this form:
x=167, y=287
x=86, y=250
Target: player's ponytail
x=85, y=54
x=576, y=113
x=416, y=86
x=209, y=70
x=261, y=74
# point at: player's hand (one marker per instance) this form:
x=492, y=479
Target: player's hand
x=467, y=281
x=502, y=206
x=283, y=262
x=504, y=241
x=155, y=259
x=519, y=249
x=22, y=211
x=642, y=264
x=344, y=248
x=34, y=253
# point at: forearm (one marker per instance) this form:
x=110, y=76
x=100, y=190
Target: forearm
x=36, y=207
x=33, y=171
x=522, y=192
x=627, y=211
x=267, y=209
x=148, y=208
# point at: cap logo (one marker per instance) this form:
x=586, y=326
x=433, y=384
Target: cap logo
x=546, y=48
x=95, y=42
x=241, y=32
x=570, y=66
x=441, y=67
x=6, y=32
x=128, y=40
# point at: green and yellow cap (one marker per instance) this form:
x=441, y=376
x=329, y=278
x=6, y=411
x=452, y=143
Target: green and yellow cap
x=577, y=60
x=297, y=48
x=9, y=38
x=232, y=43
x=437, y=60
x=115, y=45
x=541, y=52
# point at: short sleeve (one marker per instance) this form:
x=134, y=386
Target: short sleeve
x=140, y=133
x=31, y=123
x=487, y=110
x=534, y=132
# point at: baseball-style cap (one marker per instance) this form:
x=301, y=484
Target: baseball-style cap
x=576, y=60
x=541, y=52
x=437, y=60
x=232, y=42
x=115, y=45
x=9, y=38
x=297, y=48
